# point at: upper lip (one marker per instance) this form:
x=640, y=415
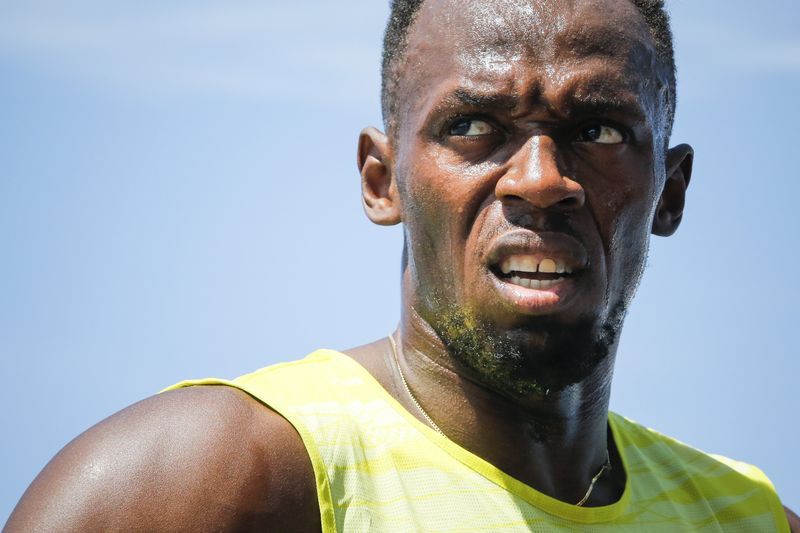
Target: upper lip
x=553, y=245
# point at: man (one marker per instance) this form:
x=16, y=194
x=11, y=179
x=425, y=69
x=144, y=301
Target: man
x=526, y=155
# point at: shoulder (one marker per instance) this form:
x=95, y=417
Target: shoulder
x=194, y=458
x=658, y=452
x=670, y=465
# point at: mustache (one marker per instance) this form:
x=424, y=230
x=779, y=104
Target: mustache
x=537, y=221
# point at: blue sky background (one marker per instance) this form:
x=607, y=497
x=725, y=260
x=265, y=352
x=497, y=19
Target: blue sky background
x=179, y=198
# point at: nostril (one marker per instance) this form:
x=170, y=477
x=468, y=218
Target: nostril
x=570, y=202
x=513, y=198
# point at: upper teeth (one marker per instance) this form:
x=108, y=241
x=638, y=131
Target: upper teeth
x=529, y=263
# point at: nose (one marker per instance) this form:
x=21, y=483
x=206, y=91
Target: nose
x=535, y=176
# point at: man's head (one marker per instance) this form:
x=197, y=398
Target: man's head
x=527, y=161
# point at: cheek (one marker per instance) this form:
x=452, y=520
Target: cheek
x=625, y=224
x=629, y=240
x=443, y=211
x=620, y=196
x=443, y=193
x=430, y=221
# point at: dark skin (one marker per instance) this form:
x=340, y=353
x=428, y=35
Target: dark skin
x=494, y=136
x=502, y=143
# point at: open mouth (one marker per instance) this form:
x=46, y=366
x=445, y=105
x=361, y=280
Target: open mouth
x=532, y=272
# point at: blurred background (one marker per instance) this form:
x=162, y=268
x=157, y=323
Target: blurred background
x=179, y=198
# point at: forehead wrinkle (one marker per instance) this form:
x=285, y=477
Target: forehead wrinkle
x=608, y=91
x=604, y=41
x=602, y=94
x=628, y=52
x=486, y=41
x=498, y=32
x=636, y=54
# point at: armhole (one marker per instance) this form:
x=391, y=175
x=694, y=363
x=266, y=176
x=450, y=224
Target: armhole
x=324, y=499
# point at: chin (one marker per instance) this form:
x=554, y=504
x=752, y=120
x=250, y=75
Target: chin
x=543, y=356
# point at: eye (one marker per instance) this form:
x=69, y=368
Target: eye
x=601, y=134
x=471, y=127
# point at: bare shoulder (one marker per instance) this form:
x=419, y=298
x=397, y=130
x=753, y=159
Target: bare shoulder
x=794, y=520
x=199, y=459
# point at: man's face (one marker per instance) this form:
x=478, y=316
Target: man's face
x=529, y=158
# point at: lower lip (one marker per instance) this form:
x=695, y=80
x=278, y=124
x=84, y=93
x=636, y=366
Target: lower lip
x=535, y=301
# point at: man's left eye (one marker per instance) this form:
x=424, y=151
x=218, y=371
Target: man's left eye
x=601, y=134
x=471, y=127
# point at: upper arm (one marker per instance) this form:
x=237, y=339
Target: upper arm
x=193, y=459
x=794, y=520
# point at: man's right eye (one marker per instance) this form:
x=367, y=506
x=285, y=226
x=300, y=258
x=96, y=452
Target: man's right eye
x=471, y=127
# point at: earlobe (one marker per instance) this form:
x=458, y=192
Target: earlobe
x=670, y=206
x=378, y=188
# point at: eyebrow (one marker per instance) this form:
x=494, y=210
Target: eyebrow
x=480, y=100
x=602, y=96
x=465, y=96
x=597, y=97
x=603, y=105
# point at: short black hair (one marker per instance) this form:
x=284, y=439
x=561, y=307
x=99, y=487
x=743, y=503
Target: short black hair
x=402, y=16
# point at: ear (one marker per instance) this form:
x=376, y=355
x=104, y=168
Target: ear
x=670, y=206
x=378, y=188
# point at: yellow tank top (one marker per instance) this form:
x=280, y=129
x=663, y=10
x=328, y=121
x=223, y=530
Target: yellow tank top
x=379, y=469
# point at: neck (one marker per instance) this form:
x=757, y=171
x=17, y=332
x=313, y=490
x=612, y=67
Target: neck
x=554, y=442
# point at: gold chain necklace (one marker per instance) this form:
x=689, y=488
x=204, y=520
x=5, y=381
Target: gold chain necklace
x=603, y=469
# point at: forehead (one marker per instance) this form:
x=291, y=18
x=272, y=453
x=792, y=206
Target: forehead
x=528, y=45
x=531, y=22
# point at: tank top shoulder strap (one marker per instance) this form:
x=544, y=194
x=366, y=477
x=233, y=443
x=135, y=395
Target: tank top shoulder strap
x=307, y=392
